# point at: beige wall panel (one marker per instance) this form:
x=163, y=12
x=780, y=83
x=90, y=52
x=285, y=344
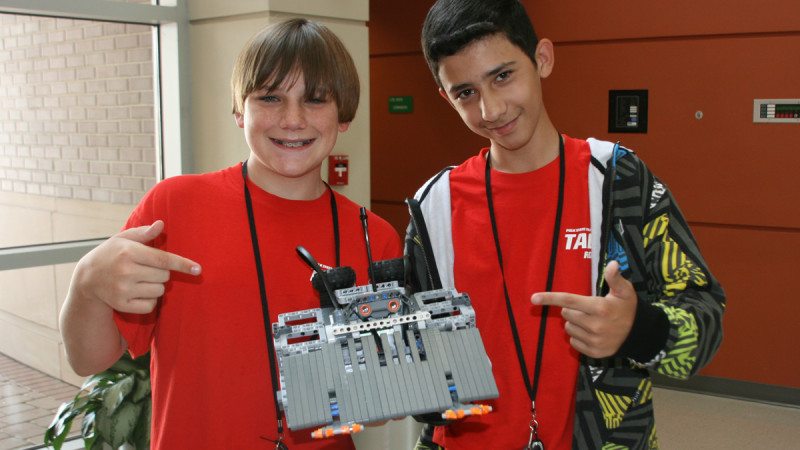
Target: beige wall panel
x=24, y=226
x=32, y=345
x=29, y=294
x=342, y=9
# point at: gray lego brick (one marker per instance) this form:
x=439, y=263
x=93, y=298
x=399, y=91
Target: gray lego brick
x=418, y=400
x=349, y=383
x=488, y=387
x=336, y=361
x=428, y=394
x=297, y=384
x=368, y=377
x=474, y=371
x=400, y=369
x=293, y=382
x=415, y=392
x=328, y=377
x=406, y=380
x=393, y=378
x=291, y=413
x=304, y=381
x=363, y=384
x=434, y=370
x=380, y=378
x=441, y=364
x=463, y=374
x=358, y=399
x=323, y=409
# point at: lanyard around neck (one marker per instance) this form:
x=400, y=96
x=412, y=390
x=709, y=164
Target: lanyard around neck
x=273, y=371
x=531, y=385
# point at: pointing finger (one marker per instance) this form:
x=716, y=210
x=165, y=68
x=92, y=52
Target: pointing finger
x=564, y=300
x=161, y=259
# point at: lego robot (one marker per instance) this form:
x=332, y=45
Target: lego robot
x=375, y=353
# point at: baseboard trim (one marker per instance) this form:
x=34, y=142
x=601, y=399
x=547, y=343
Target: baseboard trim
x=724, y=387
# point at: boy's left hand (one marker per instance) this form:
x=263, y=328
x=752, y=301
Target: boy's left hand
x=597, y=326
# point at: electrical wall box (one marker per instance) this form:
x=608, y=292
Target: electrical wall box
x=627, y=111
x=786, y=110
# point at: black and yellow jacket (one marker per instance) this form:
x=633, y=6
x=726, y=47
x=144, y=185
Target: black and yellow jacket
x=678, y=324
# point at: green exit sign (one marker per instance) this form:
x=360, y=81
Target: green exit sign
x=401, y=105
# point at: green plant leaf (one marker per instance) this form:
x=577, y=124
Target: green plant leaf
x=116, y=393
x=59, y=428
x=125, y=364
x=141, y=435
x=56, y=441
x=117, y=428
x=115, y=404
x=142, y=390
x=96, y=378
x=88, y=428
x=94, y=443
x=88, y=431
x=83, y=403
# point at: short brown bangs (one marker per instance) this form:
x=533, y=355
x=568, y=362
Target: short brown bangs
x=302, y=47
x=288, y=63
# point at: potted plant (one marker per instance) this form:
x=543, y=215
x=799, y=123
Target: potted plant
x=115, y=405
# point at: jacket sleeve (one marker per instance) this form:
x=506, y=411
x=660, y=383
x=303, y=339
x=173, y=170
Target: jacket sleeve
x=420, y=269
x=676, y=285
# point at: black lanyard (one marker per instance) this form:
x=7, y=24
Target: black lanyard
x=273, y=371
x=531, y=385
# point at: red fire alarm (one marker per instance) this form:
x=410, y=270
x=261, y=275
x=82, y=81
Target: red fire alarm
x=338, y=167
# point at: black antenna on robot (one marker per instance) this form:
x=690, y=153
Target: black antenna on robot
x=363, y=212
x=305, y=255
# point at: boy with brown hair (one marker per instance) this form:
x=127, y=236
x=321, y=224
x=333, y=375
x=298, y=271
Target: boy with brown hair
x=213, y=373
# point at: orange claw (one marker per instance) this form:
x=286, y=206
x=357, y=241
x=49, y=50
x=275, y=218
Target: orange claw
x=475, y=410
x=327, y=432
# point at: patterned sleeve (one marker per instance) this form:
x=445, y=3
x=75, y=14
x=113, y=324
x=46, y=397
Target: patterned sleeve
x=685, y=289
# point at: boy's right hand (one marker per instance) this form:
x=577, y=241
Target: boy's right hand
x=128, y=275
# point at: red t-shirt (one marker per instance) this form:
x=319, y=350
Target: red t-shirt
x=525, y=209
x=210, y=372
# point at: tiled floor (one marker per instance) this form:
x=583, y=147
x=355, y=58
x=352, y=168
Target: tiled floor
x=28, y=402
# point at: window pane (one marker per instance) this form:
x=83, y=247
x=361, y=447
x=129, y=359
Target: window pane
x=77, y=127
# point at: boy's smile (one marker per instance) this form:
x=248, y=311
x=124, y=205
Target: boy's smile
x=293, y=144
x=496, y=89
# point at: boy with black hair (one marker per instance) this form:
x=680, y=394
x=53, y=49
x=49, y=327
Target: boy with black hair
x=582, y=271
x=294, y=89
